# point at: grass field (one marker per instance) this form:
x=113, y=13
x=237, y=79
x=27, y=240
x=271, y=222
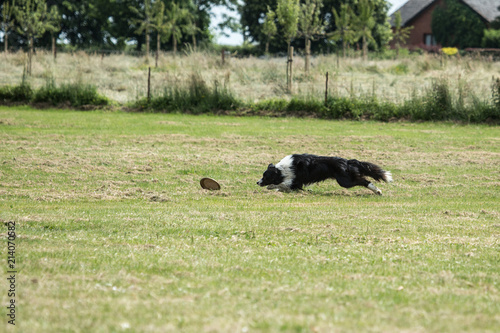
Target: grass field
x=115, y=234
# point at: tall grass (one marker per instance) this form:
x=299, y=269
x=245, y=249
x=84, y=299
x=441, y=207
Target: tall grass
x=198, y=97
x=437, y=103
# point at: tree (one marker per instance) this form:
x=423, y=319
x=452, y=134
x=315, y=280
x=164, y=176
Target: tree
x=145, y=22
x=33, y=21
x=364, y=24
x=310, y=25
x=191, y=29
x=175, y=16
x=253, y=12
x=159, y=24
x=269, y=27
x=400, y=34
x=288, y=17
x=343, y=23
x=92, y=23
x=54, y=18
x=7, y=22
x=457, y=25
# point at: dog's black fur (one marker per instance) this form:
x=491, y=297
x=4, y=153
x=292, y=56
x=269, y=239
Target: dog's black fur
x=296, y=171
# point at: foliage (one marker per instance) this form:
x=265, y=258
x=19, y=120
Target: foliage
x=175, y=18
x=311, y=25
x=7, y=23
x=197, y=98
x=269, y=27
x=344, y=30
x=13, y=94
x=400, y=34
x=491, y=38
x=457, y=25
x=74, y=95
x=33, y=20
x=145, y=22
x=364, y=24
x=287, y=12
x=495, y=92
x=252, y=13
x=437, y=104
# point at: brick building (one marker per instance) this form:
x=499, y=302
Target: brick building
x=418, y=13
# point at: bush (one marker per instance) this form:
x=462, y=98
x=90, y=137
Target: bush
x=196, y=98
x=75, y=94
x=20, y=93
x=491, y=38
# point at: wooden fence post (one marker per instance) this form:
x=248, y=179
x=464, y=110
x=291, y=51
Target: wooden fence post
x=290, y=64
x=149, y=84
x=326, y=89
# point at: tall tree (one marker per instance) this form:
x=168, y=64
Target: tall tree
x=400, y=34
x=54, y=18
x=343, y=23
x=7, y=23
x=364, y=24
x=252, y=14
x=145, y=22
x=191, y=29
x=310, y=25
x=288, y=17
x=88, y=24
x=160, y=24
x=176, y=16
x=32, y=17
x=269, y=27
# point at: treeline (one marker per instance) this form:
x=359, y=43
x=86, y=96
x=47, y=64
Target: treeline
x=272, y=25
x=108, y=24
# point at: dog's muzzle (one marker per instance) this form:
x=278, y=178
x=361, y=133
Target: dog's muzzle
x=260, y=183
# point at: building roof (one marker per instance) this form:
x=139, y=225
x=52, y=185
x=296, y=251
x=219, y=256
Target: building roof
x=487, y=9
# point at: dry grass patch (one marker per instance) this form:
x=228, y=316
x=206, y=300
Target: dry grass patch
x=123, y=78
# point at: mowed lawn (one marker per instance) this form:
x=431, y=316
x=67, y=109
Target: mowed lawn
x=115, y=233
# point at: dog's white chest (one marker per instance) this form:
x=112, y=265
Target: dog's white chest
x=286, y=168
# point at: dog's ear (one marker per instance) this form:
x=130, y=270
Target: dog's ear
x=270, y=165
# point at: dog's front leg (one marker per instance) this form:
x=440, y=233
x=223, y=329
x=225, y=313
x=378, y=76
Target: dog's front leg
x=280, y=187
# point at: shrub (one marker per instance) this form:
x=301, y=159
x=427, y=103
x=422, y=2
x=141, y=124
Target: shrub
x=491, y=38
x=196, y=98
x=20, y=93
x=75, y=94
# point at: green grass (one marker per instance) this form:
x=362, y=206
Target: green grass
x=115, y=233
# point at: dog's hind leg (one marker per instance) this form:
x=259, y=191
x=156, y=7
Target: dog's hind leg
x=374, y=188
x=348, y=182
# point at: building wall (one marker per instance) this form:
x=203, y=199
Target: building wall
x=421, y=26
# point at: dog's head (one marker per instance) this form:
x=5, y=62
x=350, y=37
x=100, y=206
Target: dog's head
x=272, y=176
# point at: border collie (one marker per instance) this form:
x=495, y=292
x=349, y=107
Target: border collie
x=298, y=170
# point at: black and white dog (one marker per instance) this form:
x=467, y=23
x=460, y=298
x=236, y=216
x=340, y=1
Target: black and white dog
x=295, y=171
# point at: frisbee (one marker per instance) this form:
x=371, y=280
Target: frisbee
x=209, y=184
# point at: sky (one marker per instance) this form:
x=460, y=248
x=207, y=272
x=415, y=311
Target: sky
x=237, y=38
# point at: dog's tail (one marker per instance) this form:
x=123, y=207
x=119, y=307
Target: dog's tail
x=371, y=170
